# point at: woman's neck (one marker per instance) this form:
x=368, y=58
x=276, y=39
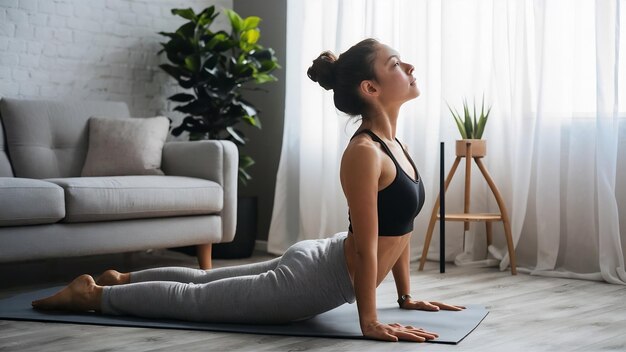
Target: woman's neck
x=382, y=122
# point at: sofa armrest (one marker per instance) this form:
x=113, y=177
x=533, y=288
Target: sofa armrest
x=215, y=160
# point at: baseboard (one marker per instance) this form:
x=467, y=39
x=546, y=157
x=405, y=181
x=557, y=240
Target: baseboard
x=260, y=245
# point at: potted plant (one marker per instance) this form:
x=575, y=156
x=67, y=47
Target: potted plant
x=214, y=67
x=471, y=126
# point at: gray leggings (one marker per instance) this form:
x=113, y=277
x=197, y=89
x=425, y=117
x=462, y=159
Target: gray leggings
x=309, y=279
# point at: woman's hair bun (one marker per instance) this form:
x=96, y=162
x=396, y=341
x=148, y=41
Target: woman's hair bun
x=323, y=70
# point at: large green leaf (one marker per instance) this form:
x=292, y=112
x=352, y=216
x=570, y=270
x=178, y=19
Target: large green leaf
x=190, y=123
x=185, y=13
x=244, y=72
x=235, y=20
x=187, y=31
x=265, y=54
x=249, y=109
x=195, y=107
x=187, y=83
x=253, y=121
x=236, y=135
x=175, y=71
x=207, y=16
x=171, y=35
x=209, y=11
x=251, y=36
x=215, y=93
x=177, y=49
x=245, y=161
x=268, y=65
x=182, y=97
x=244, y=176
x=251, y=22
x=264, y=78
x=192, y=63
x=217, y=41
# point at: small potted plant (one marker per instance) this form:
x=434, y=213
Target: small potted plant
x=471, y=126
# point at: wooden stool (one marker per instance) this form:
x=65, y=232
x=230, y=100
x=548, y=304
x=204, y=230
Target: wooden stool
x=476, y=149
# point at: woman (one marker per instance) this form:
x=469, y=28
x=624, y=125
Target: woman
x=384, y=194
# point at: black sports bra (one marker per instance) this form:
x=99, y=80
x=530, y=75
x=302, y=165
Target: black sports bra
x=401, y=201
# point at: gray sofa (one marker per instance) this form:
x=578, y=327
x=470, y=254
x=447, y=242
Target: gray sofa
x=47, y=210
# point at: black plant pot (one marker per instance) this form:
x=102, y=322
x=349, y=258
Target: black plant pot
x=245, y=235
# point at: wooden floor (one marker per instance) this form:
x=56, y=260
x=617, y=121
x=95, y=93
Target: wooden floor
x=527, y=313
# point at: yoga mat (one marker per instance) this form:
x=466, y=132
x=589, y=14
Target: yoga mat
x=341, y=322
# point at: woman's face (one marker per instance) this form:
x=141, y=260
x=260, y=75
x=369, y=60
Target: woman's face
x=394, y=77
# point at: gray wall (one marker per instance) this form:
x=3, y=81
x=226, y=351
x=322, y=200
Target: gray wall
x=264, y=145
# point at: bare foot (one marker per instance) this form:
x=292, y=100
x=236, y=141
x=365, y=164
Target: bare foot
x=80, y=295
x=112, y=278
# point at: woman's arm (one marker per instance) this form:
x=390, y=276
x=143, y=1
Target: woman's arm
x=360, y=171
x=361, y=168
x=401, y=272
x=402, y=277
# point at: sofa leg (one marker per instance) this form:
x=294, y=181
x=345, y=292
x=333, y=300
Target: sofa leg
x=204, y=255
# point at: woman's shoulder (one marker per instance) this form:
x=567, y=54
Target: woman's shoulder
x=361, y=146
x=361, y=155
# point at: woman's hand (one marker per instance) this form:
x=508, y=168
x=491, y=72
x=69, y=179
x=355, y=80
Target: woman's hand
x=396, y=332
x=430, y=306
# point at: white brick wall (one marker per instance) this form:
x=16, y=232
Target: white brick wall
x=92, y=50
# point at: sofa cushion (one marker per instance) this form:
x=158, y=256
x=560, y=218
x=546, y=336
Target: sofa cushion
x=48, y=139
x=26, y=201
x=121, y=147
x=5, y=164
x=135, y=197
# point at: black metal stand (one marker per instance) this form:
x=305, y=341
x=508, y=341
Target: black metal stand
x=442, y=214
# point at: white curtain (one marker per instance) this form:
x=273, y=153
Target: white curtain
x=553, y=71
